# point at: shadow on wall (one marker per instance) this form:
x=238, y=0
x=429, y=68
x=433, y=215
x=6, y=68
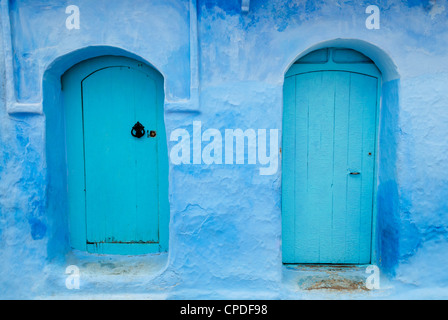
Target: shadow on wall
x=388, y=195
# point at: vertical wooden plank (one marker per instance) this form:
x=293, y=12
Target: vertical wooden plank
x=288, y=171
x=314, y=197
x=75, y=159
x=305, y=250
x=146, y=159
x=354, y=188
x=342, y=103
x=324, y=165
x=370, y=86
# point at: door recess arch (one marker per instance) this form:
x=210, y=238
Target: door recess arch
x=330, y=135
x=117, y=158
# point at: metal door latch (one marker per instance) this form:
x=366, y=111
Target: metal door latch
x=138, y=130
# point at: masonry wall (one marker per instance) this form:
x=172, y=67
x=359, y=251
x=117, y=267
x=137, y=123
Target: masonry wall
x=225, y=68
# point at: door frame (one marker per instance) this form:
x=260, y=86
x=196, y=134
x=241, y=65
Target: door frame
x=71, y=82
x=368, y=69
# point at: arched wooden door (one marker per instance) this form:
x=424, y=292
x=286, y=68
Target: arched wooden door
x=329, y=151
x=116, y=157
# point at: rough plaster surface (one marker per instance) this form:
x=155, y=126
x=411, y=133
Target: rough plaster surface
x=225, y=231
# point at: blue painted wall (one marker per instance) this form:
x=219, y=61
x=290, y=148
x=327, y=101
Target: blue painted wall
x=225, y=231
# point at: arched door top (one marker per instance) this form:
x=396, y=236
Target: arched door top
x=334, y=59
x=89, y=67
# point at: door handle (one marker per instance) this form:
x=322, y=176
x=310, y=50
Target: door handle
x=355, y=173
x=138, y=130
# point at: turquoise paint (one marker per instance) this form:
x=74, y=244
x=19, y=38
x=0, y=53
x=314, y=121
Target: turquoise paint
x=330, y=120
x=117, y=183
x=226, y=221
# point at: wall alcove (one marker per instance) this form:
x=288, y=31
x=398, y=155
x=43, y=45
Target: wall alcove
x=108, y=184
x=339, y=190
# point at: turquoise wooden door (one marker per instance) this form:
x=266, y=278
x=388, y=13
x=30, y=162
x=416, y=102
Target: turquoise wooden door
x=329, y=148
x=124, y=187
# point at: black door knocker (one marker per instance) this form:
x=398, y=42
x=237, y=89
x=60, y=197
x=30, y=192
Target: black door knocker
x=138, y=130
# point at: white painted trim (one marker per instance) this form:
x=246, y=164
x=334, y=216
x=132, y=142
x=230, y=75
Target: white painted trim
x=12, y=105
x=15, y=106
